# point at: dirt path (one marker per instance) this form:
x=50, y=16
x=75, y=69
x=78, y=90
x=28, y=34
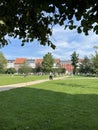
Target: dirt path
x=8, y=87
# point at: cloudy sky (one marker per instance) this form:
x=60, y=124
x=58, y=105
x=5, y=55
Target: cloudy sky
x=66, y=42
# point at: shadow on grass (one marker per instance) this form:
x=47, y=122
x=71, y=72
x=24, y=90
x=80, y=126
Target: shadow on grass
x=37, y=109
x=75, y=85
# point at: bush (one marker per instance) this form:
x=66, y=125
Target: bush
x=10, y=71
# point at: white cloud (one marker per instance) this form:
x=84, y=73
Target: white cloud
x=66, y=42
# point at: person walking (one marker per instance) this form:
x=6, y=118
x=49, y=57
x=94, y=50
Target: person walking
x=51, y=76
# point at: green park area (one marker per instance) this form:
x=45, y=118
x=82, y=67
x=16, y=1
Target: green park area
x=13, y=79
x=70, y=103
x=67, y=104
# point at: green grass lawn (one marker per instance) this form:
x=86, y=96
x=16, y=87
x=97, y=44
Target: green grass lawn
x=70, y=104
x=12, y=79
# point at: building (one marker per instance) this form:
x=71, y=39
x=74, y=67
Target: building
x=69, y=68
x=19, y=62
x=33, y=63
x=10, y=64
x=38, y=62
x=56, y=63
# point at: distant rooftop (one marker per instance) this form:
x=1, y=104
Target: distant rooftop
x=20, y=60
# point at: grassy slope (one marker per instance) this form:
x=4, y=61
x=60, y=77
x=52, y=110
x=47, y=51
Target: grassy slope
x=70, y=104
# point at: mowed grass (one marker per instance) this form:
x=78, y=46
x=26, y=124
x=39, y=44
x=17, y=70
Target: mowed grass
x=70, y=104
x=13, y=79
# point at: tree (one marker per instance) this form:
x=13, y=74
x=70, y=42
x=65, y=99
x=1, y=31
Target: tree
x=10, y=71
x=25, y=69
x=34, y=19
x=86, y=66
x=74, y=59
x=95, y=62
x=1, y=68
x=3, y=62
x=38, y=67
x=58, y=69
x=47, y=64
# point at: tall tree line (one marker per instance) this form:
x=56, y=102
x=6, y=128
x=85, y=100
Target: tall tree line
x=87, y=66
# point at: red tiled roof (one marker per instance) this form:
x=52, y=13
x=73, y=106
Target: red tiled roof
x=68, y=67
x=20, y=60
x=80, y=60
x=57, y=60
x=41, y=60
x=38, y=60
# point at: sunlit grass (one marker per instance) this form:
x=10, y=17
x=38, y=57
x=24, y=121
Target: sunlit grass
x=12, y=79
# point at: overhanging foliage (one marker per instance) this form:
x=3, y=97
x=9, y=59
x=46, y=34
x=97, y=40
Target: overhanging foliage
x=34, y=19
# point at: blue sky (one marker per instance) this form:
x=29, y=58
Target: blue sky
x=66, y=42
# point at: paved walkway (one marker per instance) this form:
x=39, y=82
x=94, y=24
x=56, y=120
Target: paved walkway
x=8, y=87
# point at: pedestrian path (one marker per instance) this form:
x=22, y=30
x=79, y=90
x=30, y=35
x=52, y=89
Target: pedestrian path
x=18, y=85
